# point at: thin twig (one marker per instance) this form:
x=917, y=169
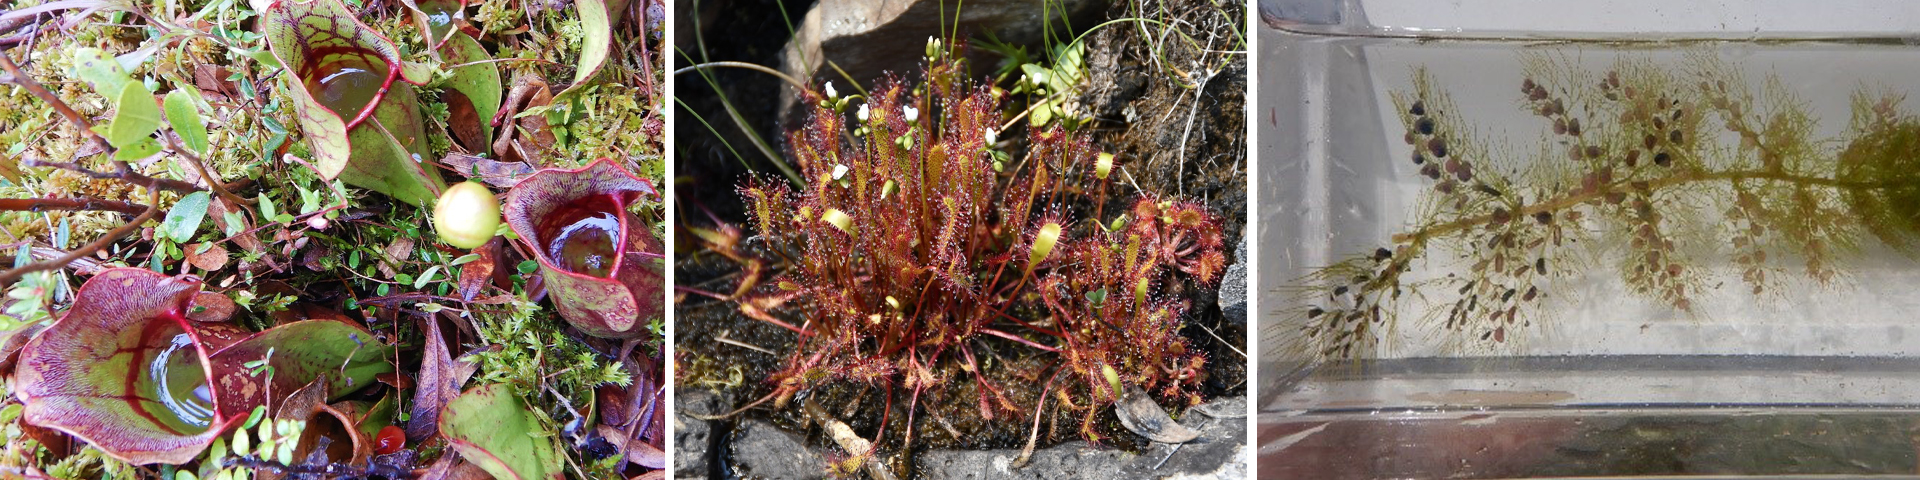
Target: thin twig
x=206, y=175
x=16, y=77
x=128, y=176
x=153, y=208
x=69, y=204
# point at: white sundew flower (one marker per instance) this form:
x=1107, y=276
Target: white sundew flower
x=912, y=113
x=831, y=93
x=863, y=112
x=839, y=171
x=993, y=136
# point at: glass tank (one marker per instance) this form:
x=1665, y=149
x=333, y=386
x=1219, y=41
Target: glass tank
x=1542, y=239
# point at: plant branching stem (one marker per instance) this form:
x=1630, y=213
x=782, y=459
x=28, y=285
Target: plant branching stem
x=122, y=171
x=153, y=208
x=205, y=174
x=1561, y=203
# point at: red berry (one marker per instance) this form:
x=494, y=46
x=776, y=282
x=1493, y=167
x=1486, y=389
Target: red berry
x=390, y=440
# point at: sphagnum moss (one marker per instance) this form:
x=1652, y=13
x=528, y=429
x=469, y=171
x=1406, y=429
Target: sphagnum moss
x=1634, y=160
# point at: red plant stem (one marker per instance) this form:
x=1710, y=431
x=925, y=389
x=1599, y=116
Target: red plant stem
x=1017, y=338
x=124, y=174
x=1100, y=206
x=884, y=413
x=69, y=204
x=153, y=208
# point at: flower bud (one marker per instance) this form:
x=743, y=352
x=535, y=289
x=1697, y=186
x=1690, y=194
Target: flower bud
x=1103, y=165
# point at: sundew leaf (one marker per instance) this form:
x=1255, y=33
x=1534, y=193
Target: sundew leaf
x=185, y=216
x=135, y=118
x=186, y=121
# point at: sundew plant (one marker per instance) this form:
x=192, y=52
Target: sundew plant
x=1677, y=180
x=915, y=241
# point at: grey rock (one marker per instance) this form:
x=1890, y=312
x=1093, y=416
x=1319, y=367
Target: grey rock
x=1233, y=287
x=761, y=450
x=692, y=436
x=1220, y=452
x=1065, y=461
x=866, y=38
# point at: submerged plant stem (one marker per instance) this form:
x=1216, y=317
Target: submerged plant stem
x=1569, y=201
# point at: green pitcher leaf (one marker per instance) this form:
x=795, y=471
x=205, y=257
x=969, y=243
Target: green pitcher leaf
x=362, y=130
x=439, y=18
x=595, y=45
x=122, y=371
x=126, y=370
x=492, y=427
x=185, y=216
x=607, y=284
x=347, y=355
x=186, y=121
x=478, y=81
x=135, y=118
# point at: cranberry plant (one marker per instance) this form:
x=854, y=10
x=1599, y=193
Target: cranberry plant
x=915, y=240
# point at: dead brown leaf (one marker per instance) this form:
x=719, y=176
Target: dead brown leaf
x=492, y=172
x=212, y=307
x=475, y=275
x=638, y=452
x=439, y=381
x=524, y=138
x=463, y=122
x=206, y=256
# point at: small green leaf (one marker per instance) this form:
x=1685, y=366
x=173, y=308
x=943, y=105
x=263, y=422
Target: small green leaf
x=186, y=121
x=61, y=235
x=1097, y=297
x=259, y=412
x=184, y=475
x=235, y=223
x=185, y=216
x=266, y=207
x=105, y=74
x=142, y=148
x=137, y=117
x=527, y=267
x=464, y=259
x=425, y=277
x=241, y=442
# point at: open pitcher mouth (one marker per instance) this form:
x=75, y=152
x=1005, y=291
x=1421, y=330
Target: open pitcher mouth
x=585, y=234
x=349, y=81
